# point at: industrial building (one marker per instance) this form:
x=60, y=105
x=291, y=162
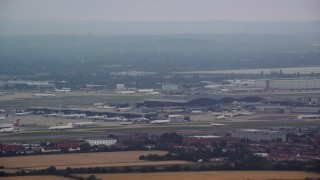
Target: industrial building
x=106, y=142
x=258, y=135
x=288, y=84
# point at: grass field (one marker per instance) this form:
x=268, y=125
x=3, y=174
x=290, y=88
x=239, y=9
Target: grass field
x=220, y=175
x=102, y=159
x=22, y=100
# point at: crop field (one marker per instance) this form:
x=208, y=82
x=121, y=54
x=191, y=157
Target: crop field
x=102, y=159
x=221, y=175
x=35, y=178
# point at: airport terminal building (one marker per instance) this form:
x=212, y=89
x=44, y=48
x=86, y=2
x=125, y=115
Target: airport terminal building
x=184, y=100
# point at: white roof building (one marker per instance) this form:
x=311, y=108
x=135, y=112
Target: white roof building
x=258, y=135
x=107, y=142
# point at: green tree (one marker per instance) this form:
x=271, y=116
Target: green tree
x=91, y=177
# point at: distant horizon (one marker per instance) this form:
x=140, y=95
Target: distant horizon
x=157, y=21
x=32, y=27
x=165, y=10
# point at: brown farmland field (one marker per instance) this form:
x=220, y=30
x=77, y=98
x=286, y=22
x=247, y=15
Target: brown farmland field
x=35, y=178
x=101, y=159
x=220, y=175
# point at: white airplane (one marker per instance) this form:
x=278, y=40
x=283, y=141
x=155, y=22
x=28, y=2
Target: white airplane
x=145, y=90
x=175, y=115
x=140, y=119
x=63, y=90
x=126, y=123
x=95, y=117
x=126, y=92
x=196, y=112
x=154, y=93
x=108, y=107
x=69, y=126
x=74, y=115
x=116, y=118
x=53, y=115
x=17, y=123
x=125, y=109
x=220, y=117
x=244, y=113
x=10, y=128
x=217, y=125
x=4, y=117
x=44, y=95
x=159, y=121
x=83, y=124
x=23, y=113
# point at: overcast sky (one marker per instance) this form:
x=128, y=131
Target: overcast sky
x=162, y=10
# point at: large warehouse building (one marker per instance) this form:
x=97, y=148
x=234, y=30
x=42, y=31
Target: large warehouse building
x=288, y=84
x=258, y=135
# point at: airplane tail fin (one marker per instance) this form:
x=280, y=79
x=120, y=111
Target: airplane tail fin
x=17, y=123
x=71, y=124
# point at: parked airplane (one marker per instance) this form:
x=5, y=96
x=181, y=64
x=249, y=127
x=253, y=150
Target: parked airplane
x=9, y=128
x=217, y=125
x=125, y=109
x=244, y=113
x=95, y=117
x=140, y=120
x=17, y=123
x=23, y=113
x=53, y=115
x=126, y=123
x=154, y=93
x=69, y=126
x=108, y=107
x=44, y=95
x=220, y=117
x=64, y=90
x=126, y=92
x=159, y=121
x=116, y=118
x=145, y=90
x=196, y=112
x=4, y=117
x=74, y=115
x=175, y=115
x=83, y=124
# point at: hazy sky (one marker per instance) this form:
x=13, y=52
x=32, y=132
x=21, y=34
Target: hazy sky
x=162, y=10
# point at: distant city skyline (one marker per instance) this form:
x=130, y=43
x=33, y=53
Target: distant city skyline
x=164, y=10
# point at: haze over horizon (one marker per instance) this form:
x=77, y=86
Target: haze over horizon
x=113, y=17
x=165, y=10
